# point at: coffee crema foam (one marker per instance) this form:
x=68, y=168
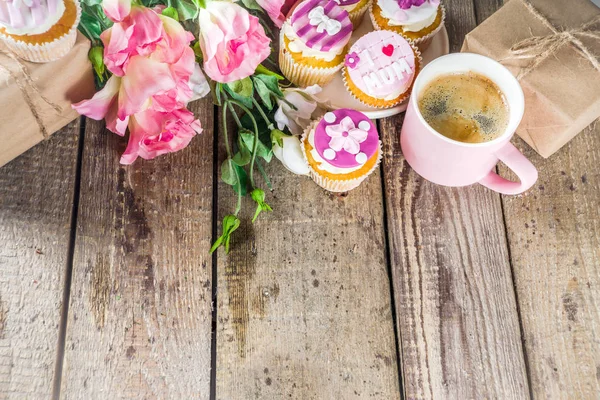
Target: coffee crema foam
x=466, y=107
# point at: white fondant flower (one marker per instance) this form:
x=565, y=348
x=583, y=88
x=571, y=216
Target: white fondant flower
x=318, y=18
x=346, y=135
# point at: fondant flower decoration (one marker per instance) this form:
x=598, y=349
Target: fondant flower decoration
x=352, y=59
x=347, y=136
x=406, y=4
x=318, y=18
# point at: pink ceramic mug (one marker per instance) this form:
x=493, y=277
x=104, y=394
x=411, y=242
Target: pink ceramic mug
x=451, y=163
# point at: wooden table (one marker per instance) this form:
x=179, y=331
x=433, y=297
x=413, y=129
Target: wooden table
x=402, y=289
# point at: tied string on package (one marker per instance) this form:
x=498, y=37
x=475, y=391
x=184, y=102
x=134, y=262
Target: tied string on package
x=25, y=85
x=541, y=47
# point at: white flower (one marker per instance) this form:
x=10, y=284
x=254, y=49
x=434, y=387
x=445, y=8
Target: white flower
x=306, y=108
x=291, y=155
x=346, y=135
x=198, y=84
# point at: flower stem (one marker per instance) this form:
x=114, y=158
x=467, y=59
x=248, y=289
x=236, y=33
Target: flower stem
x=255, y=144
x=238, y=206
x=263, y=115
x=235, y=117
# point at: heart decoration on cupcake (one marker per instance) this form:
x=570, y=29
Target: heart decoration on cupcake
x=388, y=50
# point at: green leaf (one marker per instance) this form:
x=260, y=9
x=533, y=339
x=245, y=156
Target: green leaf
x=264, y=93
x=258, y=195
x=261, y=150
x=243, y=156
x=252, y=5
x=270, y=82
x=230, y=224
x=261, y=69
x=91, y=3
x=228, y=173
x=186, y=9
x=241, y=91
x=241, y=187
x=171, y=12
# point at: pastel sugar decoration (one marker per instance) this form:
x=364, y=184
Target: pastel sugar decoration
x=346, y=2
x=386, y=64
x=351, y=60
x=406, y=4
x=346, y=138
x=322, y=25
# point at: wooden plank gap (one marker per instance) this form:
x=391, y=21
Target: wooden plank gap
x=64, y=312
x=388, y=257
x=215, y=235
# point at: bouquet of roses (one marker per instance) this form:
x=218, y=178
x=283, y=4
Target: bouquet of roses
x=152, y=57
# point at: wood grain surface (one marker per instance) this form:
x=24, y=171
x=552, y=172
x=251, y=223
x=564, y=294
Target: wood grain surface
x=455, y=302
x=36, y=199
x=554, y=238
x=303, y=297
x=140, y=314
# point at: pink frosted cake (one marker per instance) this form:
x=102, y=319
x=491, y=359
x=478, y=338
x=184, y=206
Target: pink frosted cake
x=341, y=149
x=380, y=68
x=39, y=30
x=313, y=42
x=356, y=10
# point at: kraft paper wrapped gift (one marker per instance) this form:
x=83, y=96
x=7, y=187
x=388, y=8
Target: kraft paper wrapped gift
x=35, y=99
x=553, y=48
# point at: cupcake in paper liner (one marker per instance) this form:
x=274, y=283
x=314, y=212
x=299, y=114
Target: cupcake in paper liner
x=380, y=68
x=356, y=10
x=313, y=41
x=342, y=149
x=39, y=30
x=417, y=20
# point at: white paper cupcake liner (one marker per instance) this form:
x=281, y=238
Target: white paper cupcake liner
x=356, y=16
x=45, y=52
x=422, y=42
x=403, y=96
x=302, y=75
x=335, y=185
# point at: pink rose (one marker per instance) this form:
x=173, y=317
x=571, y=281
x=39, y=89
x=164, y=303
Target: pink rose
x=116, y=10
x=233, y=42
x=273, y=8
x=153, y=133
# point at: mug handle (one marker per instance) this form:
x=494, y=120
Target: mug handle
x=516, y=161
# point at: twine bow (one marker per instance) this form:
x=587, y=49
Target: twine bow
x=24, y=86
x=541, y=47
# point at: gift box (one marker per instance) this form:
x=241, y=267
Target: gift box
x=35, y=99
x=553, y=48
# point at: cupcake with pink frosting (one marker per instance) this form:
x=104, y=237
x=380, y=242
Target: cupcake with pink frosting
x=356, y=10
x=416, y=20
x=380, y=68
x=341, y=149
x=39, y=30
x=313, y=42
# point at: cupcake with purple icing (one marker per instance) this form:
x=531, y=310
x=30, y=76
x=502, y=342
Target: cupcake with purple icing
x=39, y=30
x=342, y=149
x=356, y=10
x=313, y=42
x=416, y=20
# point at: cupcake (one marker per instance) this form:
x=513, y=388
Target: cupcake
x=356, y=10
x=380, y=68
x=313, y=41
x=39, y=30
x=417, y=20
x=341, y=149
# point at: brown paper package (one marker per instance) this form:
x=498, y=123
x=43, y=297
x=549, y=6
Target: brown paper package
x=61, y=82
x=562, y=93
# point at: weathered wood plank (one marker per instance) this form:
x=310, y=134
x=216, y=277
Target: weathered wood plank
x=554, y=238
x=456, y=309
x=303, y=297
x=140, y=313
x=36, y=200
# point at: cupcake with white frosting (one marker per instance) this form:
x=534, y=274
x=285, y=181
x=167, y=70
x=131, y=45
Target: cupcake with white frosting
x=342, y=149
x=39, y=30
x=416, y=20
x=313, y=42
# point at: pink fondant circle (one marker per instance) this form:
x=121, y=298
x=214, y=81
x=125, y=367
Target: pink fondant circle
x=344, y=159
x=386, y=64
